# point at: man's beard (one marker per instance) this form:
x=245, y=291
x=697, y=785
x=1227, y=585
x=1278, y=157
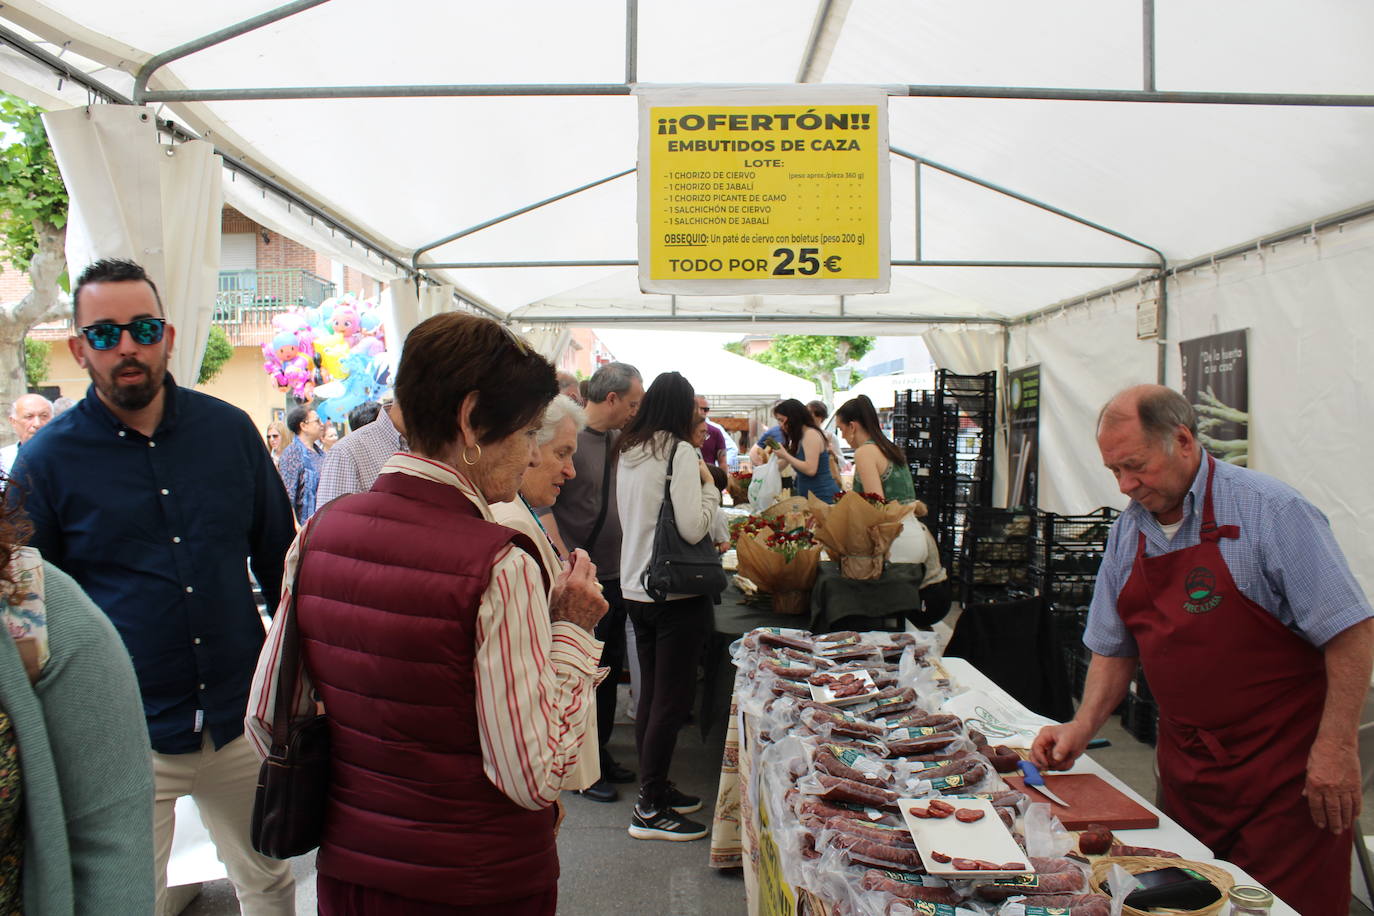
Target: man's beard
x=131, y=397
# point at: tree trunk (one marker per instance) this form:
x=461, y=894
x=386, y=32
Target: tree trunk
x=826, y=379
x=45, y=302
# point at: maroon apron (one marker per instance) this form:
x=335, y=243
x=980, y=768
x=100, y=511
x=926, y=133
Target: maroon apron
x=1240, y=698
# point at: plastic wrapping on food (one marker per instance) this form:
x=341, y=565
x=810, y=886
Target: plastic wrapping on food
x=1045, y=836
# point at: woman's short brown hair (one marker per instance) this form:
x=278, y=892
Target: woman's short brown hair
x=450, y=355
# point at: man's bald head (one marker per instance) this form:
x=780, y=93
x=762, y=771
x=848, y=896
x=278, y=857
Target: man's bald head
x=28, y=414
x=1159, y=410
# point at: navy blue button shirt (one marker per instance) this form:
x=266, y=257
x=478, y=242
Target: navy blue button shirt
x=159, y=532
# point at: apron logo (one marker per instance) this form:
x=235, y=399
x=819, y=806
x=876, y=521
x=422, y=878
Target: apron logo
x=1201, y=588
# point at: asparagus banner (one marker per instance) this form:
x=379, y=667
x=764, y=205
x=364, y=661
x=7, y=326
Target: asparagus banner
x=1216, y=382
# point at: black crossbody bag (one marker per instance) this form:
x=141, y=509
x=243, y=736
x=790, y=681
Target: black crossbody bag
x=675, y=566
x=293, y=783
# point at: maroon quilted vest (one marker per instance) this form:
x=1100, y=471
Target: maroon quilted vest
x=387, y=606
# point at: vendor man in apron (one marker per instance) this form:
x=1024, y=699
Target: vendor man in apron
x=1230, y=590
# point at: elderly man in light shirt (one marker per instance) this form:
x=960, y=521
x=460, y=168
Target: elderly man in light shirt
x=353, y=464
x=29, y=414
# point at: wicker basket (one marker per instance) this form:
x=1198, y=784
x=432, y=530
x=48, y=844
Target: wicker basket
x=798, y=602
x=1220, y=878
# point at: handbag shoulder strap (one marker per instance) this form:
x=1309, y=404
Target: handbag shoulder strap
x=289, y=665
x=605, y=495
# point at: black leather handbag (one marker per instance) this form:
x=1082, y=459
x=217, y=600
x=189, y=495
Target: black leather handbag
x=293, y=783
x=675, y=566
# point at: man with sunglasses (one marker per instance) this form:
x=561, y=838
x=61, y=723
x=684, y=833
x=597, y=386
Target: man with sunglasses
x=154, y=497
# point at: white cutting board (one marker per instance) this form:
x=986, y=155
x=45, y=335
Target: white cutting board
x=987, y=839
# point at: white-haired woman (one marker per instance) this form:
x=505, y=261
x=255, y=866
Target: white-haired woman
x=557, y=439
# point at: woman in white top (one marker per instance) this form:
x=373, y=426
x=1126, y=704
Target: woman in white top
x=669, y=634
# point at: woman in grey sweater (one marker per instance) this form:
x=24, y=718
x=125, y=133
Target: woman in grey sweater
x=76, y=782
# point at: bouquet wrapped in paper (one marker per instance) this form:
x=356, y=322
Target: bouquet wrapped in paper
x=738, y=487
x=782, y=563
x=858, y=532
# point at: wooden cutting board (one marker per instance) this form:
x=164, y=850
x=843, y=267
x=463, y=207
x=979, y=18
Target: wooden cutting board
x=1092, y=800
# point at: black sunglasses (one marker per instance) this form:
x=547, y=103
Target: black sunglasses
x=104, y=335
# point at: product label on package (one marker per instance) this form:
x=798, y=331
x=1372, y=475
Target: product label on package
x=763, y=190
x=856, y=760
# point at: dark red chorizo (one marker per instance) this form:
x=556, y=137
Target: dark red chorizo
x=849, y=790
x=969, y=815
x=877, y=880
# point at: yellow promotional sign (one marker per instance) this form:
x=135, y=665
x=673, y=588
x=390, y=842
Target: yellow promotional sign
x=778, y=196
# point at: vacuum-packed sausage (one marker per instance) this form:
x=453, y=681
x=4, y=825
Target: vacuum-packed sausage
x=1059, y=883
x=891, y=836
x=827, y=761
x=810, y=805
x=861, y=849
x=848, y=790
x=878, y=880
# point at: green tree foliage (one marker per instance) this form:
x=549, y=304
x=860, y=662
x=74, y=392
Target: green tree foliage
x=218, y=351
x=813, y=356
x=36, y=354
x=31, y=188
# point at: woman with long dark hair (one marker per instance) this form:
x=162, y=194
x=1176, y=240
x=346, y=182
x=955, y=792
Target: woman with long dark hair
x=806, y=450
x=669, y=634
x=880, y=467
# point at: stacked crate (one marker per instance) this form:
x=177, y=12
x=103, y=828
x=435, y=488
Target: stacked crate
x=947, y=435
x=1068, y=551
x=995, y=556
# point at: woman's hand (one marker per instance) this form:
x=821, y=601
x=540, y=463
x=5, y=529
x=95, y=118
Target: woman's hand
x=576, y=595
x=702, y=471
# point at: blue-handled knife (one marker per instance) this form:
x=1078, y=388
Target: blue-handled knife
x=1037, y=782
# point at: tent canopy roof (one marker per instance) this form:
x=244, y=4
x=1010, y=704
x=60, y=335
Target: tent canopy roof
x=1187, y=179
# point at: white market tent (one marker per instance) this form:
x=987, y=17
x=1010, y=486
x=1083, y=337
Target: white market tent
x=1227, y=142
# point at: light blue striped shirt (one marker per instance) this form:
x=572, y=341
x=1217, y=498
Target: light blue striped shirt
x=1286, y=560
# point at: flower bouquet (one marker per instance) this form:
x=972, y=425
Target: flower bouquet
x=858, y=531
x=782, y=563
x=738, y=487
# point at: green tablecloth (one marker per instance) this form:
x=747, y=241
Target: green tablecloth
x=888, y=597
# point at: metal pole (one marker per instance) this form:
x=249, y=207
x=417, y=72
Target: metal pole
x=482, y=265
x=813, y=43
x=1163, y=353
x=1028, y=200
x=918, y=210
x=384, y=92
x=1324, y=100
x=1148, y=36
x=200, y=44
x=631, y=42
x=1103, y=265
x=667, y=318
x=415, y=258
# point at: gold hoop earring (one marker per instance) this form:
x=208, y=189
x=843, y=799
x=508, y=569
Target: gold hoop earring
x=473, y=461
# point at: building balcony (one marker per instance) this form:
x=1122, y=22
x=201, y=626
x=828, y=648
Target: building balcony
x=245, y=303
x=248, y=300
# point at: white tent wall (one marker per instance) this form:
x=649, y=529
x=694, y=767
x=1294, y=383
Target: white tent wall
x=1306, y=305
x=159, y=206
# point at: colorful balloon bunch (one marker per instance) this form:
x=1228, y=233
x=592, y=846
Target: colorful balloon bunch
x=334, y=352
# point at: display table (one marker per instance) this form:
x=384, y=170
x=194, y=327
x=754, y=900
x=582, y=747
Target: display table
x=741, y=836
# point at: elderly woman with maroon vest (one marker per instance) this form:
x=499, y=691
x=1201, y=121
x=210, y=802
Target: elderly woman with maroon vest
x=458, y=686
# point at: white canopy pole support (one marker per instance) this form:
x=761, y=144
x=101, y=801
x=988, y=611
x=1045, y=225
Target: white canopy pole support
x=131, y=199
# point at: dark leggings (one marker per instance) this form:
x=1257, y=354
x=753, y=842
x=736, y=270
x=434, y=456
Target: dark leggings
x=669, y=637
